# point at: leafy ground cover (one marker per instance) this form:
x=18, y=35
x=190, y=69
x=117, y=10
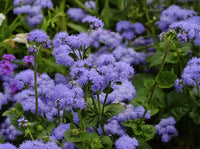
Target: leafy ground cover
x=100, y=74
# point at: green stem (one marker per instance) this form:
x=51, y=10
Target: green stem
x=155, y=84
x=80, y=4
x=59, y=120
x=63, y=118
x=75, y=53
x=95, y=107
x=63, y=25
x=14, y=22
x=29, y=132
x=104, y=103
x=6, y=6
x=191, y=133
x=197, y=88
x=163, y=60
x=98, y=98
x=35, y=86
x=149, y=20
x=97, y=6
x=81, y=120
x=79, y=51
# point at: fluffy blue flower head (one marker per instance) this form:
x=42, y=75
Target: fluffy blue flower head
x=126, y=142
x=40, y=37
x=173, y=14
x=166, y=129
x=93, y=21
x=76, y=13
x=7, y=146
x=191, y=74
x=59, y=132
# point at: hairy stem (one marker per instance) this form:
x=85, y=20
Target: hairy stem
x=35, y=85
x=155, y=84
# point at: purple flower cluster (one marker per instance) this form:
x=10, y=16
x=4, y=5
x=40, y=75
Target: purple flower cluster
x=94, y=22
x=166, y=128
x=107, y=69
x=187, y=31
x=79, y=14
x=38, y=145
x=126, y=142
x=131, y=113
x=129, y=30
x=65, y=45
x=59, y=132
x=6, y=68
x=8, y=131
x=173, y=14
x=28, y=60
x=51, y=96
x=124, y=92
x=190, y=75
x=38, y=37
x=90, y=5
x=7, y=146
x=106, y=38
x=129, y=55
x=76, y=13
x=114, y=126
x=33, y=9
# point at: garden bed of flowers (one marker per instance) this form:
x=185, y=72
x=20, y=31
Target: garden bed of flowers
x=101, y=74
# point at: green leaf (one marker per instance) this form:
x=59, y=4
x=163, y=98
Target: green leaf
x=159, y=99
x=106, y=142
x=50, y=63
x=148, y=132
x=143, y=145
x=154, y=112
x=105, y=14
x=143, y=133
x=138, y=80
x=78, y=28
x=90, y=115
x=112, y=110
x=47, y=128
x=2, y=140
x=184, y=49
x=148, y=83
x=166, y=79
x=179, y=111
x=179, y=104
x=6, y=113
x=195, y=115
x=18, y=107
x=134, y=126
x=171, y=58
x=156, y=58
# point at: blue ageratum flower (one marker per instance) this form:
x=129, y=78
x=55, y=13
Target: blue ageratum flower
x=7, y=146
x=59, y=132
x=32, y=9
x=76, y=13
x=40, y=37
x=128, y=30
x=94, y=22
x=191, y=74
x=173, y=14
x=38, y=145
x=166, y=129
x=126, y=142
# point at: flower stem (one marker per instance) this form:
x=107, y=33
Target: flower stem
x=155, y=84
x=104, y=103
x=35, y=85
